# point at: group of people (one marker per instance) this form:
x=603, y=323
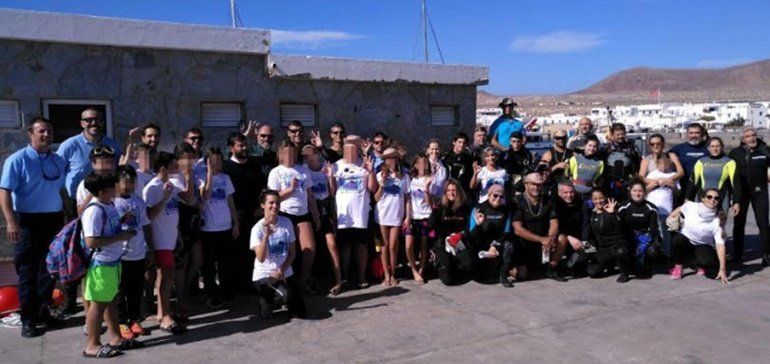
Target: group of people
x=253, y=218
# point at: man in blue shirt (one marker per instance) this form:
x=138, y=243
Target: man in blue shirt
x=75, y=150
x=689, y=153
x=501, y=129
x=31, y=200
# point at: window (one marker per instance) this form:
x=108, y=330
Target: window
x=443, y=116
x=307, y=114
x=221, y=114
x=64, y=114
x=9, y=114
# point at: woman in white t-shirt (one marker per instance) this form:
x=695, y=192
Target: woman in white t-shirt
x=700, y=240
x=219, y=228
x=393, y=210
x=422, y=202
x=488, y=175
x=293, y=184
x=274, y=244
x=437, y=169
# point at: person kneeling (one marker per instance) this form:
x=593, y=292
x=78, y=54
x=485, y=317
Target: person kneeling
x=611, y=247
x=700, y=241
x=490, y=240
x=273, y=241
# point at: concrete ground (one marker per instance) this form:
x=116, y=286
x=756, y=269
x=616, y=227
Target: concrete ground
x=695, y=320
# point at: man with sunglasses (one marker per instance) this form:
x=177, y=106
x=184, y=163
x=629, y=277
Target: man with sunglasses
x=753, y=159
x=76, y=149
x=194, y=137
x=333, y=153
x=31, y=190
x=501, y=129
x=261, y=148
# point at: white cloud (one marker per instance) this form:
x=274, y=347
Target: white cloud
x=311, y=39
x=563, y=41
x=721, y=63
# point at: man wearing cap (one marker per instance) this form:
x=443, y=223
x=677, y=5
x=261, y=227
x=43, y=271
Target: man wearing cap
x=753, y=160
x=556, y=158
x=585, y=129
x=537, y=227
x=75, y=150
x=32, y=206
x=501, y=129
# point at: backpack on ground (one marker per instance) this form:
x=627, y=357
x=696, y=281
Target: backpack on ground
x=68, y=258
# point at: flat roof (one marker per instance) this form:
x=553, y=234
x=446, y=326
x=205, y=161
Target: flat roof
x=85, y=29
x=345, y=69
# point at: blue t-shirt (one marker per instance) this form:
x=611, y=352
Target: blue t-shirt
x=75, y=151
x=34, y=180
x=689, y=154
x=506, y=128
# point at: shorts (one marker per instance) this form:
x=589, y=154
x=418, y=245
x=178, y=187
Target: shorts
x=102, y=283
x=527, y=253
x=296, y=220
x=420, y=229
x=353, y=235
x=326, y=216
x=164, y=259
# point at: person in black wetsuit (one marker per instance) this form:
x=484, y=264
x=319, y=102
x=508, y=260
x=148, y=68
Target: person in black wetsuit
x=491, y=239
x=556, y=158
x=517, y=160
x=640, y=220
x=571, y=212
x=753, y=159
x=459, y=162
x=453, y=264
x=621, y=162
x=605, y=231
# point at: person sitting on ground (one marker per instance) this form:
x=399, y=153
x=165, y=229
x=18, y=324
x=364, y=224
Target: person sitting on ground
x=700, y=241
x=102, y=233
x=274, y=242
x=607, y=232
x=491, y=241
x=537, y=227
x=454, y=259
x=571, y=211
x=640, y=219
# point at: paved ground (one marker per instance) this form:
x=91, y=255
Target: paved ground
x=584, y=321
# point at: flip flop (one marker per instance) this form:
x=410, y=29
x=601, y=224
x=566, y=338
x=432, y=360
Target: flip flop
x=128, y=344
x=175, y=329
x=336, y=290
x=104, y=352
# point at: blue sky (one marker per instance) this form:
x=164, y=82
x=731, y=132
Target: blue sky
x=531, y=47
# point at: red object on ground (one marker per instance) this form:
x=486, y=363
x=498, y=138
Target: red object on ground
x=9, y=299
x=58, y=297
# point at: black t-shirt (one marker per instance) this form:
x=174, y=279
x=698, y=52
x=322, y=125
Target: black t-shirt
x=460, y=167
x=448, y=221
x=248, y=182
x=537, y=218
x=330, y=155
x=570, y=217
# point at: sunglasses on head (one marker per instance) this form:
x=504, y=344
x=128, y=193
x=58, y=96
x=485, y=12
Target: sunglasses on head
x=103, y=150
x=712, y=197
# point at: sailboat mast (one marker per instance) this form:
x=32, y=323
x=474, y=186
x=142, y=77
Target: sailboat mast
x=425, y=31
x=232, y=13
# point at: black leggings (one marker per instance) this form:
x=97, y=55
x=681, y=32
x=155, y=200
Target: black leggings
x=131, y=290
x=700, y=256
x=219, y=260
x=489, y=270
x=607, y=257
x=293, y=300
x=758, y=201
x=453, y=269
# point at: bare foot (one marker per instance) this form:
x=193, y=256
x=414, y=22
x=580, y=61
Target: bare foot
x=418, y=278
x=385, y=282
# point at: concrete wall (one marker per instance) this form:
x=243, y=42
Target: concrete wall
x=168, y=86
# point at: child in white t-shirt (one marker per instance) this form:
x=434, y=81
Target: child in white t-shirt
x=422, y=202
x=488, y=175
x=393, y=210
x=274, y=244
x=219, y=228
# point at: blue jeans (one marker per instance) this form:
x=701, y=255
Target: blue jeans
x=35, y=284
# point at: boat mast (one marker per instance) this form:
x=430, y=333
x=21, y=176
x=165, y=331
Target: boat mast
x=232, y=13
x=425, y=31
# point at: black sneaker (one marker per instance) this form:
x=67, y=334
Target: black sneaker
x=505, y=282
x=554, y=274
x=765, y=260
x=30, y=331
x=265, y=309
x=623, y=278
x=213, y=302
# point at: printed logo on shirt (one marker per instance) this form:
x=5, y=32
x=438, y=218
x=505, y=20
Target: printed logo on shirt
x=286, y=181
x=278, y=243
x=392, y=186
x=172, y=206
x=350, y=184
x=761, y=156
x=319, y=188
x=218, y=194
x=494, y=181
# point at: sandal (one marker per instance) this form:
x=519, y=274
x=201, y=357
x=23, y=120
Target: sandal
x=128, y=344
x=104, y=352
x=363, y=285
x=175, y=329
x=336, y=290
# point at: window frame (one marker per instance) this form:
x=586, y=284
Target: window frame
x=238, y=122
x=17, y=114
x=455, y=119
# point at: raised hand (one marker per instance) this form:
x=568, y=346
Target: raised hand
x=610, y=205
x=476, y=168
x=133, y=134
x=268, y=229
x=479, y=218
x=315, y=139
x=368, y=163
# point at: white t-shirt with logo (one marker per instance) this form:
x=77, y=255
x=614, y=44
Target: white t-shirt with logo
x=352, y=196
x=280, y=179
x=165, y=226
x=487, y=179
x=319, y=184
x=389, y=210
x=277, y=250
x=417, y=190
x=135, y=206
x=103, y=222
x=701, y=225
x=216, y=212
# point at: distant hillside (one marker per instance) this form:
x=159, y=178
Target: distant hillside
x=751, y=77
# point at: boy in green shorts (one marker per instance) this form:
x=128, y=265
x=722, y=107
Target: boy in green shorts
x=102, y=233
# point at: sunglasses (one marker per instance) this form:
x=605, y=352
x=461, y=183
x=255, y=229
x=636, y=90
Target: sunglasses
x=51, y=171
x=496, y=195
x=655, y=144
x=377, y=142
x=712, y=197
x=265, y=135
x=560, y=138
x=92, y=120
x=295, y=131
x=195, y=138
